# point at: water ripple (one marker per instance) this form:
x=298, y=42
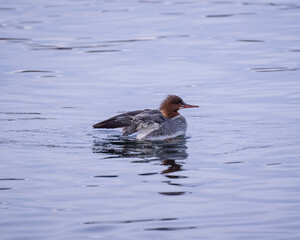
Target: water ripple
x=251, y=40
x=33, y=71
x=274, y=69
x=174, y=193
x=14, y=39
x=228, y=15
x=169, y=228
x=131, y=221
x=12, y=179
x=21, y=113
x=243, y=149
x=106, y=176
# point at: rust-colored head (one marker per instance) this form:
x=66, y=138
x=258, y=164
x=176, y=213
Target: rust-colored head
x=170, y=106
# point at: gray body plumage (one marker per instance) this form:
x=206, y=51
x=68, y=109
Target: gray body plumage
x=148, y=124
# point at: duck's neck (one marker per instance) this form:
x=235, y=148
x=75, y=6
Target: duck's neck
x=169, y=114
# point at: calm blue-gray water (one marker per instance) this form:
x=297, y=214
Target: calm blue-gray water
x=66, y=65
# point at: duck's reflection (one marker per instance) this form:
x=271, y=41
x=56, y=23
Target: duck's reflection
x=173, y=166
x=167, y=151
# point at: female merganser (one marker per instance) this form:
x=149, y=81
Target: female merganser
x=159, y=124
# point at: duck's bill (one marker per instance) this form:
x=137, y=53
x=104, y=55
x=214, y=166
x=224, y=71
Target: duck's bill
x=189, y=106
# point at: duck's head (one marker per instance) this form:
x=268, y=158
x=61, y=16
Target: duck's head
x=170, y=106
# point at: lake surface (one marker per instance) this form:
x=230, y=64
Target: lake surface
x=66, y=65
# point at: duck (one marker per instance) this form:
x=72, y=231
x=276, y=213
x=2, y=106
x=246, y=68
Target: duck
x=152, y=124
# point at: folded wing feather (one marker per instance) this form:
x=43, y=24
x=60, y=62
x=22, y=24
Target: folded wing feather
x=148, y=119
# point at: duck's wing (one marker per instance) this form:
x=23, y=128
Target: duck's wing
x=146, y=119
x=121, y=120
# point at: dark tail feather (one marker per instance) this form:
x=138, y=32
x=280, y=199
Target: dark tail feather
x=109, y=124
x=121, y=120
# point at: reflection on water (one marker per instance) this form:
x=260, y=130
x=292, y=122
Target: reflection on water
x=167, y=151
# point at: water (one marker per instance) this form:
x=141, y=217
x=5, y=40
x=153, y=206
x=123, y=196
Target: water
x=67, y=65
